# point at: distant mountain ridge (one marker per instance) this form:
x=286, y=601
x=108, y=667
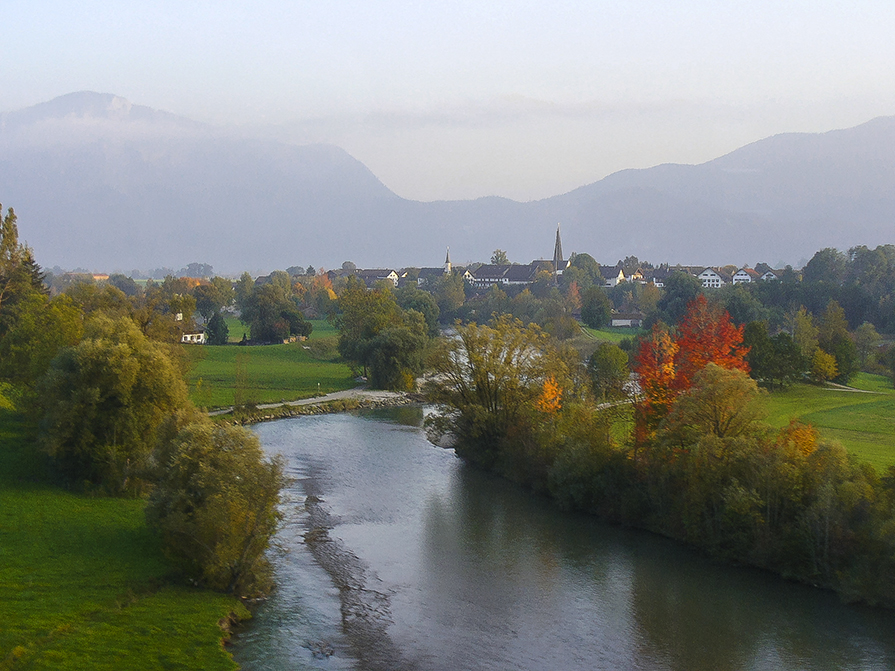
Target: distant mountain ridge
x=101, y=183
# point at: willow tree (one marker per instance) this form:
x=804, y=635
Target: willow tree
x=103, y=400
x=486, y=380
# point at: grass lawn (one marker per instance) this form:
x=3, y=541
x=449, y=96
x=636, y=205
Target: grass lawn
x=613, y=334
x=235, y=328
x=84, y=583
x=863, y=422
x=273, y=372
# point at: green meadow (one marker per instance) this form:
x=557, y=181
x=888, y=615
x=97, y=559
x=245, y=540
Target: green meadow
x=613, y=334
x=84, y=583
x=268, y=373
x=863, y=421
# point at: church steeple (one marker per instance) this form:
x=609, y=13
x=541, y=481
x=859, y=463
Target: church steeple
x=557, y=254
x=447, y=262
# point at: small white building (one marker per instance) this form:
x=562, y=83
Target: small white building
x=627, y=319
x=193, y=338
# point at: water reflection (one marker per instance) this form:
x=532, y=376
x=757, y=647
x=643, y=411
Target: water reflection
x=480, y=575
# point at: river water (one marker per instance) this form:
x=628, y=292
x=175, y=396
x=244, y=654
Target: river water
x=395, y=555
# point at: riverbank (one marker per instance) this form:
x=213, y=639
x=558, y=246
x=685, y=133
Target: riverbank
x=463, y=569
x=359, y=398
x=85, y=584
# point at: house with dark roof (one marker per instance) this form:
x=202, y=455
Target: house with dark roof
x=612, y=275
x=373, y=275
x=431, y=274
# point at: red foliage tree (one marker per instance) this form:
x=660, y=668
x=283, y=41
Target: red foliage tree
x=706, y=335
x=666, y=365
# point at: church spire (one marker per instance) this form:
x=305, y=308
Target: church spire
x=447, y=262
x=557, y=253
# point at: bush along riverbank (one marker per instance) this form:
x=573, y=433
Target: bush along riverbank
x=699, y=465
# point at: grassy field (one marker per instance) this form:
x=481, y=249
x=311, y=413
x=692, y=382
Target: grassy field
x=863, y=422
x=235, y=328
x=613, y=334
x=84, y=584
x=272, y=372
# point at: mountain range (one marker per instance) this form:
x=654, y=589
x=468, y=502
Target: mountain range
x=101, y=183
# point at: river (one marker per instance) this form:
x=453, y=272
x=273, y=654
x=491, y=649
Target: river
x=415, y=560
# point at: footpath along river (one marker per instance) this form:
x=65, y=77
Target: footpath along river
x=395, y=555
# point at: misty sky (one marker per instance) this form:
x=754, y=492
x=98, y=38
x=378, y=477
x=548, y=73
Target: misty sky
x=465, y=99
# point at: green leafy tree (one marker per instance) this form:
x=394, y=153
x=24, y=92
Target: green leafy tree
x=125, y=283
x=499, y=257
x=587, y=264
x=20, y=276
x=680, y=290
x=774, y=361
x=224, y=287
x=596, y=309
x=272, y=316
x=866, y=341
x=805, y=333
x=102, y=401
x=242, y=290
x=216, y=332
x=397, y=352
x=828, y=265
x=741, y=304
x=380, y=339
x=208, y=300
x=411, y=298
x=215, y=504
x=788, y=364
x=833, y=337
x=41, y=327
x=608, y=369
x=450, y=293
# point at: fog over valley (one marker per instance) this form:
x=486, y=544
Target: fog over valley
x=104, y=184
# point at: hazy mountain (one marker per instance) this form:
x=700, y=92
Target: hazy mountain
x=101, y=183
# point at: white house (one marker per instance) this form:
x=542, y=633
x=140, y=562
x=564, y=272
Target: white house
x=745, y=275
x=713, y=278
x=612, y=275
x=193, y=338
x=373, y=275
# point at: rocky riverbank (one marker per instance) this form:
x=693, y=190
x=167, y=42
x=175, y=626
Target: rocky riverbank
x=358, y=399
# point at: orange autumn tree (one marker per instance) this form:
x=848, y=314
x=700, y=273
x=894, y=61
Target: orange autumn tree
x=706, y=335
x=666, y=365
x=654, y=363
x=550, y=399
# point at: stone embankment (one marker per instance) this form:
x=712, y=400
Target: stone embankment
x=341, y=401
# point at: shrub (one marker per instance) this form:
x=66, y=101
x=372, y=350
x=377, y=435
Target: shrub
x=215, y=503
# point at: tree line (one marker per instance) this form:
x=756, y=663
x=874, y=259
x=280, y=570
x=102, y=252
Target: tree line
x=691, y=459
x=100, y=376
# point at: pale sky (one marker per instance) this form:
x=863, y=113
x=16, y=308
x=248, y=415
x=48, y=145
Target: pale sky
x=446, y=100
